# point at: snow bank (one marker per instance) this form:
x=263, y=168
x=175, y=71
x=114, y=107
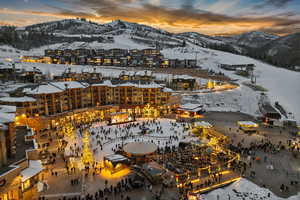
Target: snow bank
x=245, y=190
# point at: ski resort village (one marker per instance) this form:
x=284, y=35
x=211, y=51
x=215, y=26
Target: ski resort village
x=131, y=112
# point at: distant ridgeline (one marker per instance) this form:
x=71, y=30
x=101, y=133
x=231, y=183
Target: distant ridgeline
x=279, y=51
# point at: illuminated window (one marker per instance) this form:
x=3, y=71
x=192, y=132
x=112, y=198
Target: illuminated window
x=26, y=185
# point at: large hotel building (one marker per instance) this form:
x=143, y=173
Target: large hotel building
x=53, y=100
x=52, y=105
x=56, y=98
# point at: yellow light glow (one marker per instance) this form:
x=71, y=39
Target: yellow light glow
x=198, y=179
x=216, y=185
x=108, y=174
x=87, y=155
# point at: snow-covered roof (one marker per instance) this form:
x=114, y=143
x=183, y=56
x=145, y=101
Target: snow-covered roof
x=34, y=168
x=127, y=73
x=167, y=90
x=247, y=123
x=140, y=148
x=151, y=85
x=115, y=157
x=56, y=87
x=43, y=89
x=183, y=77
x=69, y=84
x=8, y=109
x=144, y=73
x=7, y=117
x=138, y=73
x=7, y=114
x=128, y=84
x=105, y=83
x=190, y=107
x=17, y=99
x=203, y=124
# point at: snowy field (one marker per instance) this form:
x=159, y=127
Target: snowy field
x=241, y=99
x=283, y=85
x=245, y=190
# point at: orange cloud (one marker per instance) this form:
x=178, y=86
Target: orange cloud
x=174, y=20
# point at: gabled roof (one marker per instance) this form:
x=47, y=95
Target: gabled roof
x=104, y=83
x=128, y=84
x=7, y=114
x=144, y=73
x=69, y=84
x=8, y=109
x=191, y=107
x=187, y=77
x=17, y=99
x=7, y=117
x=167, y=90
x=43, y=89
x=55, y=87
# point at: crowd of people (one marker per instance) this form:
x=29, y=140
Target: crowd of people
x=262, y=151
x=166, y=134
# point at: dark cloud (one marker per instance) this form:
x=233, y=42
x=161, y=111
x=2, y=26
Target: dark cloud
x=273, y=3
x=181, y=17
x=175, y=19
x=188, y=4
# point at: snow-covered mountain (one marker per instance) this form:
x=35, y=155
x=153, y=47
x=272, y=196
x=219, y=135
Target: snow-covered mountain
x=68, y=26
x=253, y=39
x=200, y=39
x=85, y=33
x=284, y=50
x=82, y=26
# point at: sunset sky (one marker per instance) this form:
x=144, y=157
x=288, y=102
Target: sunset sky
x=213, y=17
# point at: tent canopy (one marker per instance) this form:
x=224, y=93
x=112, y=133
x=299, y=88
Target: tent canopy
x=140, y=148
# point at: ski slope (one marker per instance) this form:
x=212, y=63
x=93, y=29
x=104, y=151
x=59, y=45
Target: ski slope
x=283, y=85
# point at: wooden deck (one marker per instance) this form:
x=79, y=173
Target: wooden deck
x=227, y=179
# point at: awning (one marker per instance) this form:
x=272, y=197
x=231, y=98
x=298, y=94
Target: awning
x=203, y=124
x=40, y=186
x=248, y=124
x=34, y=168
x=115, y=158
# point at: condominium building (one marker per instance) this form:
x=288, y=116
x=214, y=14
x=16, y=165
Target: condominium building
x=56, y=98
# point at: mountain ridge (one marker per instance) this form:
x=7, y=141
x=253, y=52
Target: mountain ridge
x=256, y=44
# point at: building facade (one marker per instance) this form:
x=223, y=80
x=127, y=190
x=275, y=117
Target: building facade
x=55, y=98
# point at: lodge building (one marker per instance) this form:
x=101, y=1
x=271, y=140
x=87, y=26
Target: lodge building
x=184, y=82
x=85, y=76
x=112, y=57
x=142, y=76
x=55, y=98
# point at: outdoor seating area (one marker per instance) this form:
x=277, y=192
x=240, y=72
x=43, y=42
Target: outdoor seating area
x=200, y=168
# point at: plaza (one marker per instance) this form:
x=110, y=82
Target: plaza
x=179, y=165
x=190, y=161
